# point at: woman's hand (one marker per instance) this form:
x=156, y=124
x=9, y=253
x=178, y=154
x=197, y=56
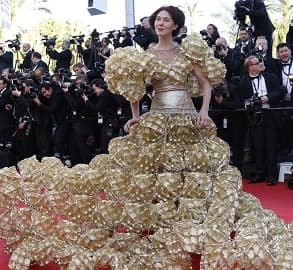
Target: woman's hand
x=203, y=118
x=130, y=123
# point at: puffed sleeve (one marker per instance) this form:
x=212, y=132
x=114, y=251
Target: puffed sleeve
x=125, y=73
x=196, y=51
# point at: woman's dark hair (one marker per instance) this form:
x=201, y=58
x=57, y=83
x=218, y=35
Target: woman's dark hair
x=215, y=33
x=176, y=14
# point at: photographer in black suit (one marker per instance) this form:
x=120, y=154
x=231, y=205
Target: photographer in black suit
x=259, y=18
x=260, y=91
x=62, y=58
x=37, y=62
x=144, y=34
x=122, y=39
x=6, y=58
x=104, y=105
x=26, y=53
x=54, y=105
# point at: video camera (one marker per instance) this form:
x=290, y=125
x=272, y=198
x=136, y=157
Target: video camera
x=84, y=89
x=15, y=43
x=78, y=39
x=206, y=37
x=253, y=104
x=239, y=12
x=49, y=41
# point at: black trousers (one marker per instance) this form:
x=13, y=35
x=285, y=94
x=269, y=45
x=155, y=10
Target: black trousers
x=238, y=132
x=263, y=134
x=82, y=152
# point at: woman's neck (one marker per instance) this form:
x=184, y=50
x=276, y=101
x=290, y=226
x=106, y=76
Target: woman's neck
x=165, y=43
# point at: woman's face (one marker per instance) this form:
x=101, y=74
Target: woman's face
x=164, y=24
x=210, y=29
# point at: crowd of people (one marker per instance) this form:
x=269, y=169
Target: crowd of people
x=70, y=113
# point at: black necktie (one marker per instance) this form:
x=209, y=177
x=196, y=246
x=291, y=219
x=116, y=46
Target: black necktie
x=285, y=64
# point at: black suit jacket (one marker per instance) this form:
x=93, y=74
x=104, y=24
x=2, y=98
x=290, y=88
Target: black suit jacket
x=63, y=59
x=42, y=64
x=7, y=125
x=272, y=84
x=27, y=61
x=6, y=60
x=260, y=19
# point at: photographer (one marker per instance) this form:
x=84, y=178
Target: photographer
x=210, y=35
x=51, y=102
x=81, y=70
x=259, y=18
x=6, y=119
x=26, y=54
x=126, y=38
x=104, y=51
x=285, y=75
x=37, y=62
x=144, y=34
x=259, y=91
x=261, y=49
x=82, y=120
x=62, y=58
x=105, y=106
x=6, y=58
x=25, y=118
x=244, y=44
x=89, y=54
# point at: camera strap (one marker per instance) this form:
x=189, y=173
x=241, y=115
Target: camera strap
x=259, y=88
x=287, y=73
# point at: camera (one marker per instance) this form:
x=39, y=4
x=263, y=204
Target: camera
x=84, y=90
x=6, y=147
x=15, y=43
x=239, y=12
x=205, y=37
x=49, y=41
x=77, y=39
x=254, y=103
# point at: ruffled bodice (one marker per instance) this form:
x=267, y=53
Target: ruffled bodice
x=128, y=69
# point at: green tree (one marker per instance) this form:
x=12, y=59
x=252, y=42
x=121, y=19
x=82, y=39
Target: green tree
x=281, y=12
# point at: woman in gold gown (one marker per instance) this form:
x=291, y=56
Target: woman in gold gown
x=163, y=192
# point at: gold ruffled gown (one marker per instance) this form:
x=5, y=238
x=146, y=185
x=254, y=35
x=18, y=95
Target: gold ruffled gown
x=163, y=192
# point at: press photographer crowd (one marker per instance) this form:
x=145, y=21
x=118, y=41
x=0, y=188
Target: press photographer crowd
x=70, y=114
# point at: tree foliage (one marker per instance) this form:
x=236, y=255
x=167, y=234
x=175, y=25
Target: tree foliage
x=281, y=13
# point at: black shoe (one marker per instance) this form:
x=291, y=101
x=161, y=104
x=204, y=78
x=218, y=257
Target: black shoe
x=272, y=182
x=256, y=179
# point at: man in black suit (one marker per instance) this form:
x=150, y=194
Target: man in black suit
x=37, y=62
x=260, y=20
x=6, y=58
x=27, y=57
x=285, y=75
x=63, y=58
x=6, y=109
x=261, y=48
x=260, y=91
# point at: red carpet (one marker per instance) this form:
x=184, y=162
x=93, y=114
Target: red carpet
x=277, y=198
